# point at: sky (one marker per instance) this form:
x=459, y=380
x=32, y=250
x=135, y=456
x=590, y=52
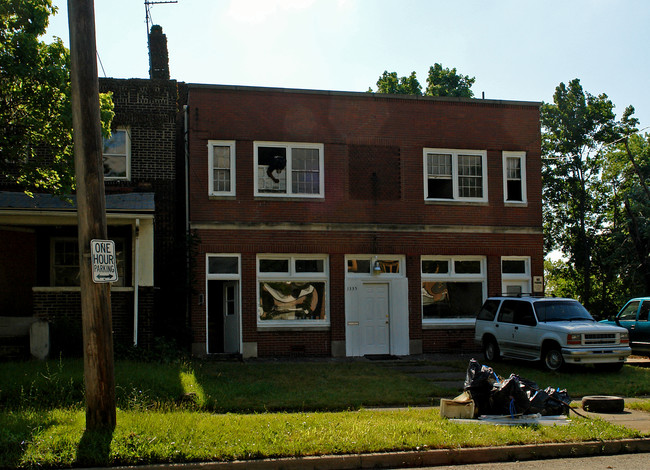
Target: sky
x=516, y=49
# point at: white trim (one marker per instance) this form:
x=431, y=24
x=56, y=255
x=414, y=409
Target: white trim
x=455, y=153
x=223, y=277
x=127, y=143
x=289, y=146
x=521, y=279
x=522, y=157
x=291, y=276
x=231, y=144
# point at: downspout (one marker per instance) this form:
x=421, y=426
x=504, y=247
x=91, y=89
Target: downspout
x=186, y=131
x=187, y=171
x=136, y=280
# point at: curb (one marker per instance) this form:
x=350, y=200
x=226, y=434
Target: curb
x=434, y=457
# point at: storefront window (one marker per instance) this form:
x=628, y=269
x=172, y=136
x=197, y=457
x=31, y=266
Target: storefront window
x=452, y=288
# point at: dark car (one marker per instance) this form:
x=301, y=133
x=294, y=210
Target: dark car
x=634, y=317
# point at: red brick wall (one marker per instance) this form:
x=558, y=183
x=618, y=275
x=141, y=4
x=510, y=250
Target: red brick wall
x=374, y=176
x=337, y=244
x=352, y=120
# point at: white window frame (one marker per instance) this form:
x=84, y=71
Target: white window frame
x=455, y=153
x=452, y=276
x=127, y=132
x=232, y=146
x=289, y=146
x=522, y=162
x=523, y=279
x=291, y=276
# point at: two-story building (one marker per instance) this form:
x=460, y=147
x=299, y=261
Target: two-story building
x=350, y=224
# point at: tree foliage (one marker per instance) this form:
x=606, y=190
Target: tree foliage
x=446, y=82
x=596, y=199
x=440, y=82
x=35, y=110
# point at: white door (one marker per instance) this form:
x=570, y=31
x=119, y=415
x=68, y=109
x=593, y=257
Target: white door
x=374, y=318
x=230, y=317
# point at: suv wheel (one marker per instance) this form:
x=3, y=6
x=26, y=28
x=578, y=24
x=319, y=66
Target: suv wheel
x=552, y=358
x=491, y=349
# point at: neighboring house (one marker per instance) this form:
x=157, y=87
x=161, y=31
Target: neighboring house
x=348, y=224
x=39, y=261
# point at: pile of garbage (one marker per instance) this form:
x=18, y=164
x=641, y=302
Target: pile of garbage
x=514, y=396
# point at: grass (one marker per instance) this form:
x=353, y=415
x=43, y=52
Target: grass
x=641, y=405
x=203, y=411
x=30, y=439
x=220, y=387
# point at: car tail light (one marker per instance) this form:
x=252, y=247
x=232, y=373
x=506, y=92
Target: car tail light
x=573, y=339
x=625, y=338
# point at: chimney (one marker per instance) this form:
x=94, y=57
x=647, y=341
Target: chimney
x=158, y=56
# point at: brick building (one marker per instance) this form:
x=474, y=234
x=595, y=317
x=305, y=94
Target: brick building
x=349, y=224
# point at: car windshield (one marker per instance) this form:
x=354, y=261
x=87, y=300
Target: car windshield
x=561, y=310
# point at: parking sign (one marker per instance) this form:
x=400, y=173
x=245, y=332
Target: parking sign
x=104, y=260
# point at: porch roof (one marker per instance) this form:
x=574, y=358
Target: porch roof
x=127, y=202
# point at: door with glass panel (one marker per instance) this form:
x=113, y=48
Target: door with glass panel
x=223, y=311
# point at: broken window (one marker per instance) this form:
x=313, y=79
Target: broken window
x=289, y=169
x=292, y=288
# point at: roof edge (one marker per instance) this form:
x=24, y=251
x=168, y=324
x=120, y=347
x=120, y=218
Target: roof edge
x=358, y=94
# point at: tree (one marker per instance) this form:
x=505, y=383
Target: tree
x=440, y=82
x=389, y=83
x=574, y=129
x=627, y=170
x=446, y=82
x=35, y=111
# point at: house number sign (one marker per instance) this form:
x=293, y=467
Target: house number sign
x=104, y=260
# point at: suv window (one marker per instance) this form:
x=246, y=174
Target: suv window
x=518, y=312
x=524, y=314
x=561, y=310
x=645, y=309
x=489, y=310
x=629, y=312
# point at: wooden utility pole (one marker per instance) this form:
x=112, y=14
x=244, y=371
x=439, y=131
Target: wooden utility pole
x=99, y=375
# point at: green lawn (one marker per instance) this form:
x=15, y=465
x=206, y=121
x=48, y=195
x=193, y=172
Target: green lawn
x=212, y=411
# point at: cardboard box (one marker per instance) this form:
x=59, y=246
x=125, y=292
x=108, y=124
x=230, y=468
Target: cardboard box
x=456, y=409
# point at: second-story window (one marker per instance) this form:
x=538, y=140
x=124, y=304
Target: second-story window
x=514, y=177
x=221, y=161
x=289, y=169
x=455, y=175
x=117, y=155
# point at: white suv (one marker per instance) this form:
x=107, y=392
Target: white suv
x=553, y=330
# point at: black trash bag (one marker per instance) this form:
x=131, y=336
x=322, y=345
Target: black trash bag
x=538, y=400
x=479, y=382
x=558, y=402
x=509, y=397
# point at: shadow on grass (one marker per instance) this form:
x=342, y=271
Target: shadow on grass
x=17, y=431
x=95, y=448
